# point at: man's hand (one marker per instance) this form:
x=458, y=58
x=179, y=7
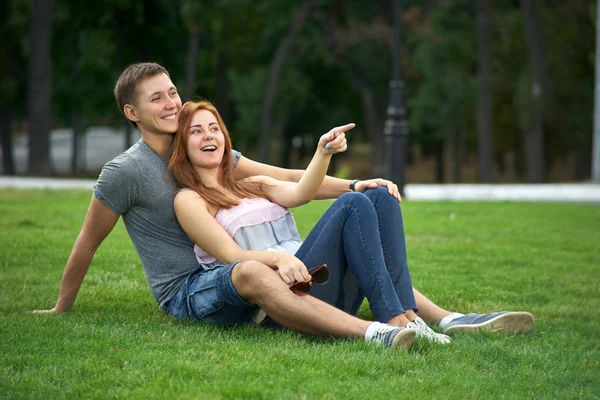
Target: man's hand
x=98, y=223
x=363, y=186
x=52, y=311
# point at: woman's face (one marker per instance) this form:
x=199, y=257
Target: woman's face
x=206, y=143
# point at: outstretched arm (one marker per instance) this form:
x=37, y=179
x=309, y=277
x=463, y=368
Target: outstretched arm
x=331, y=188
x=294, y=194
x=98, y=223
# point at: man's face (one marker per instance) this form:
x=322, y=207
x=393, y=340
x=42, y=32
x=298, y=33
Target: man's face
x=157, y=106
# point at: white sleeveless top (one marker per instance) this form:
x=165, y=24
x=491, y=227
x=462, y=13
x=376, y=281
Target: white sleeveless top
x=256, y=224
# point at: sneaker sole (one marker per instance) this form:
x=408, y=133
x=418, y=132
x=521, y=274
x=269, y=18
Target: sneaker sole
x=512, y=322
x=405, y=338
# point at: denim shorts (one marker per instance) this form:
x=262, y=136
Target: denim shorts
x=208, y=295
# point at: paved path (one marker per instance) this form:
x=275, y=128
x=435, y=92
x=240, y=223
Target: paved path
x=101, y=144
x=567, y=192
x=98, y=146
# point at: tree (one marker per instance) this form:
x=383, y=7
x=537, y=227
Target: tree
x=122, y=59
x=39, y=102
x=352, y=41
x=9, y=85
x=534, y=134
x=193, y=14
x=484, y=92
x=283, y=50
x=441, y=82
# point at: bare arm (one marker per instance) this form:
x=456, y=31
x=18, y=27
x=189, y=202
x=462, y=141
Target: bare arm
x=98, y=223
x=294, y=194
x=199, y=224
x=326, y=188
x=331, y=188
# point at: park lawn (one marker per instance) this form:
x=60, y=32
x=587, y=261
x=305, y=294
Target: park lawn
x=469, y=257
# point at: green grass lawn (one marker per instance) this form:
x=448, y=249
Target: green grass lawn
x=468, y=257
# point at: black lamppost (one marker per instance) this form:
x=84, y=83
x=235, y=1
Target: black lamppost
x=396, y=130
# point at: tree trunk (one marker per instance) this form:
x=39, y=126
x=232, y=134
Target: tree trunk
x=191, y=63
x=484, y=93
x=222, y=83
x=39, y=102
x=583, y=160
x=439, y=162
x=76, y=146
x=75, y=114
x=456, y=150
x=286, y=146
x=144, y=32
x=8, y=161
x=283, y=50
x=373, y=127
x=121, y=40
x=10, y=79
x=534, y=136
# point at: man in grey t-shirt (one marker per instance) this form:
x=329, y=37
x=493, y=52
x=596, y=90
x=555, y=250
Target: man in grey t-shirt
x=135, y=185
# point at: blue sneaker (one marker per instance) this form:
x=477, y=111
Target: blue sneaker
x=393, y=336
x=505, y=321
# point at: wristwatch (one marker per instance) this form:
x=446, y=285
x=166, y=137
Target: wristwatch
x=352, y=185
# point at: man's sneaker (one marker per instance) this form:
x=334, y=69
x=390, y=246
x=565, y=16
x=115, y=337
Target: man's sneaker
x=505, y=321
x=393, y=336
x=426, y=332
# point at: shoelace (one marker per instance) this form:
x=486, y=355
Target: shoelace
x=425, y=330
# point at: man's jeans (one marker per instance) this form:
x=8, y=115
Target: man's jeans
x=209, y=296
x=361, y=239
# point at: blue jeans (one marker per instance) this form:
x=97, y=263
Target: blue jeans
x=209, y=296
x=361, y=239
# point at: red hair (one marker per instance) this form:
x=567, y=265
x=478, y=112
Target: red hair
x=185, y=174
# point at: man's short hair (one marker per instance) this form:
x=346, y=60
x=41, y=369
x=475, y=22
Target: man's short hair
x=125, y=88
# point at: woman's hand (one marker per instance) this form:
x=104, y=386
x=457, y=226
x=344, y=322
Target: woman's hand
x=363, y=186
x=334, y=141
x=291, y=269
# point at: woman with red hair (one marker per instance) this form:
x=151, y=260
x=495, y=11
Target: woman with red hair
x=233, y=220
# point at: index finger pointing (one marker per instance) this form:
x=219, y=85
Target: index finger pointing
x=345, y=128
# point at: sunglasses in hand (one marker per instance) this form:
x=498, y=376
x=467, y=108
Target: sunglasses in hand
x=318, y=275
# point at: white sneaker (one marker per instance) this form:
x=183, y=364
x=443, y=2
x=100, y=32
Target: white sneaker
x=393, y=336
x=426, y=332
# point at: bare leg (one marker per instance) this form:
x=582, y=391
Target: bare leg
x=428, y=310
x=258, y=284
x=399, y=320
x=411, y=315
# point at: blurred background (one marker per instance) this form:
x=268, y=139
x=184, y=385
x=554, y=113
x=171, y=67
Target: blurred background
x=482, y=91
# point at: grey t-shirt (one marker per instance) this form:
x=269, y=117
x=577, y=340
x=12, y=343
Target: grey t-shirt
x=136, y=185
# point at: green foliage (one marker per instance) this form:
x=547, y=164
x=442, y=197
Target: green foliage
x=247, y=89
x=343, y=48
x=14, y=16
x=444, y=55
x=117, y=343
